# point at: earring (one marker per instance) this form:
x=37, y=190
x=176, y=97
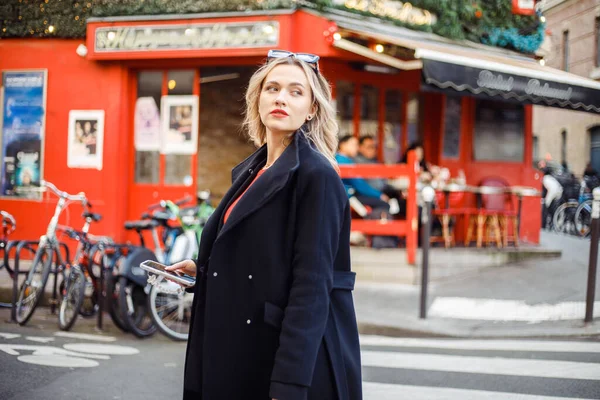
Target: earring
x=309, y=117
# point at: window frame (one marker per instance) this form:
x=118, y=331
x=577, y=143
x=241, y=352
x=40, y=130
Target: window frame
x=565, y=52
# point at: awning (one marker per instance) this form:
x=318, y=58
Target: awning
x=473, y=68
x=545, y=86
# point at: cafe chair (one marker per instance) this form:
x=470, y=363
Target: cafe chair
x=446, y=214
x=495, y=214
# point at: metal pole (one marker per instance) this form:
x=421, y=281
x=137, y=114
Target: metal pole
x=428, y=194
x=591, y=284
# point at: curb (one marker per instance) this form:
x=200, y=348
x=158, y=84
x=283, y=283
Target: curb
x=591, y=331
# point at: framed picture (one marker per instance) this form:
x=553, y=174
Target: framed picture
x=179, y=124
x=86, y=139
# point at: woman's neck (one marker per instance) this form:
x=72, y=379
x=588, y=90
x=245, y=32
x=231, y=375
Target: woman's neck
x=276, y=144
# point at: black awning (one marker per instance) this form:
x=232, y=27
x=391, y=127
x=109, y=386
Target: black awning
x=502, y=85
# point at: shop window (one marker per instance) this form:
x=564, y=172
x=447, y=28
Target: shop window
x=392, y=128
x=369, y=111
x=146, y=166
x=180, y=82
x=566, y=50
x=177, y=169
x=345, y=107
x=147, y=159
x=563, y=146
x=498, y=134
x=179, y=166
x=413, y=113
x=597, y=34
x=452, y=117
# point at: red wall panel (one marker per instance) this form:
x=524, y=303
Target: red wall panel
x=74, y=83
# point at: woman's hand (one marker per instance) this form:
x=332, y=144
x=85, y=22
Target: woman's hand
x=187, y=267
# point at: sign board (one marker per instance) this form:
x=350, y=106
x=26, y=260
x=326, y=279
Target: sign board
x=141, y=38
x=523, y=7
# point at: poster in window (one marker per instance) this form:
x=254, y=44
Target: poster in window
x=146, y=125
x=452, y=116
x=23, y=120
x=86, y=139
x=179, y=121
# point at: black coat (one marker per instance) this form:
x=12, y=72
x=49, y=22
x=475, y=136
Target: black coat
x=273, y=315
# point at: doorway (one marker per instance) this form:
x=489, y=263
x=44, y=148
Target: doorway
x=595, y=147
x=164, y=165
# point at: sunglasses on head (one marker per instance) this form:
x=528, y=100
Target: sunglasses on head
x=310, y=59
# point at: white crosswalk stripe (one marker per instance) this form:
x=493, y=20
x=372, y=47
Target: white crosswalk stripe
x=482, y=365
x=503, y=345
x=452, y=369
x=386, y=391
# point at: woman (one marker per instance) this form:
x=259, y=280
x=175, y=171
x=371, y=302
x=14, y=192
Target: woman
x=273, y=316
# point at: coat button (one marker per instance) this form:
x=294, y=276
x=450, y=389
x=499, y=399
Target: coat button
x=248, y=322
x=249, y=276
x=215, y=274
x=250, y=170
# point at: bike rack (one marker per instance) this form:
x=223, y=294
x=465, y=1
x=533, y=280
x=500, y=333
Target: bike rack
x=20, y=245
x=102, y=294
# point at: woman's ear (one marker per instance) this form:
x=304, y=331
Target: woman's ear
x=313, y=111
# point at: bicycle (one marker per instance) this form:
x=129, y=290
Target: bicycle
x=9, y=225
x=563, y=218
x=80, y=276
x=583, y=215
x=32, y=290
x=170, y=306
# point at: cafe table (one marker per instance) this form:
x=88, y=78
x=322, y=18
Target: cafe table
x=520, y=192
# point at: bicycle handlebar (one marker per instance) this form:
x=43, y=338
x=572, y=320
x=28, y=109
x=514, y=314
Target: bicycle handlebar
x=162, y=203
x=74, y=197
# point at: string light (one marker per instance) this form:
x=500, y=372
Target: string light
x=51, y=28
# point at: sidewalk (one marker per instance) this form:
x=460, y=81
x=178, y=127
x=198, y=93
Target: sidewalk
x=471, y=293
x=531, y=298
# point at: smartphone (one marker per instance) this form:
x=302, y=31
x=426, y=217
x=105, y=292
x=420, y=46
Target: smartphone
x=160, y=269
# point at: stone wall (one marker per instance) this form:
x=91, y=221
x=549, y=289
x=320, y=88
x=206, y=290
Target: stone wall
x=222, y=143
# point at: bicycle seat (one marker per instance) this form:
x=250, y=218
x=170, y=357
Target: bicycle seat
x=141, y=225
x=94, y=216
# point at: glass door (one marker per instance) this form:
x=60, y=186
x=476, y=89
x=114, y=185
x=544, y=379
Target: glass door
x=165, y=137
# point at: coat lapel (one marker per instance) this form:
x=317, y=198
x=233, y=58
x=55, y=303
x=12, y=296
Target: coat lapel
x=271, y=182
x=239, y=177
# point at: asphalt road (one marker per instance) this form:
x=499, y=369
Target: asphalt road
x=37, y=363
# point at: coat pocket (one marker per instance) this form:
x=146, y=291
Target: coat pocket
x=343, y=280
x=273, y=315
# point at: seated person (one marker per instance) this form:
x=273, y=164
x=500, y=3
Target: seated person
x=367, y=154
x=427, y=172
x=365, y=193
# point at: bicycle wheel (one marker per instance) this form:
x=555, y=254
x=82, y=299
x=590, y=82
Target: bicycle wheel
x=32, y=290
x=112, y=303
x=72, y=299
x=89, y=307
x=583, y=219
x=133, y=306
x=171, y=312
x=563, y=220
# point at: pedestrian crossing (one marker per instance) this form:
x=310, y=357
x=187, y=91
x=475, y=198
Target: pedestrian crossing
x=449, y=369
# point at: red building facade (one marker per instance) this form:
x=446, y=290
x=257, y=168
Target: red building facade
x=388, y=93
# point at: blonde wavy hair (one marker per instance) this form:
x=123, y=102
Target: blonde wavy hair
x=322, y=130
